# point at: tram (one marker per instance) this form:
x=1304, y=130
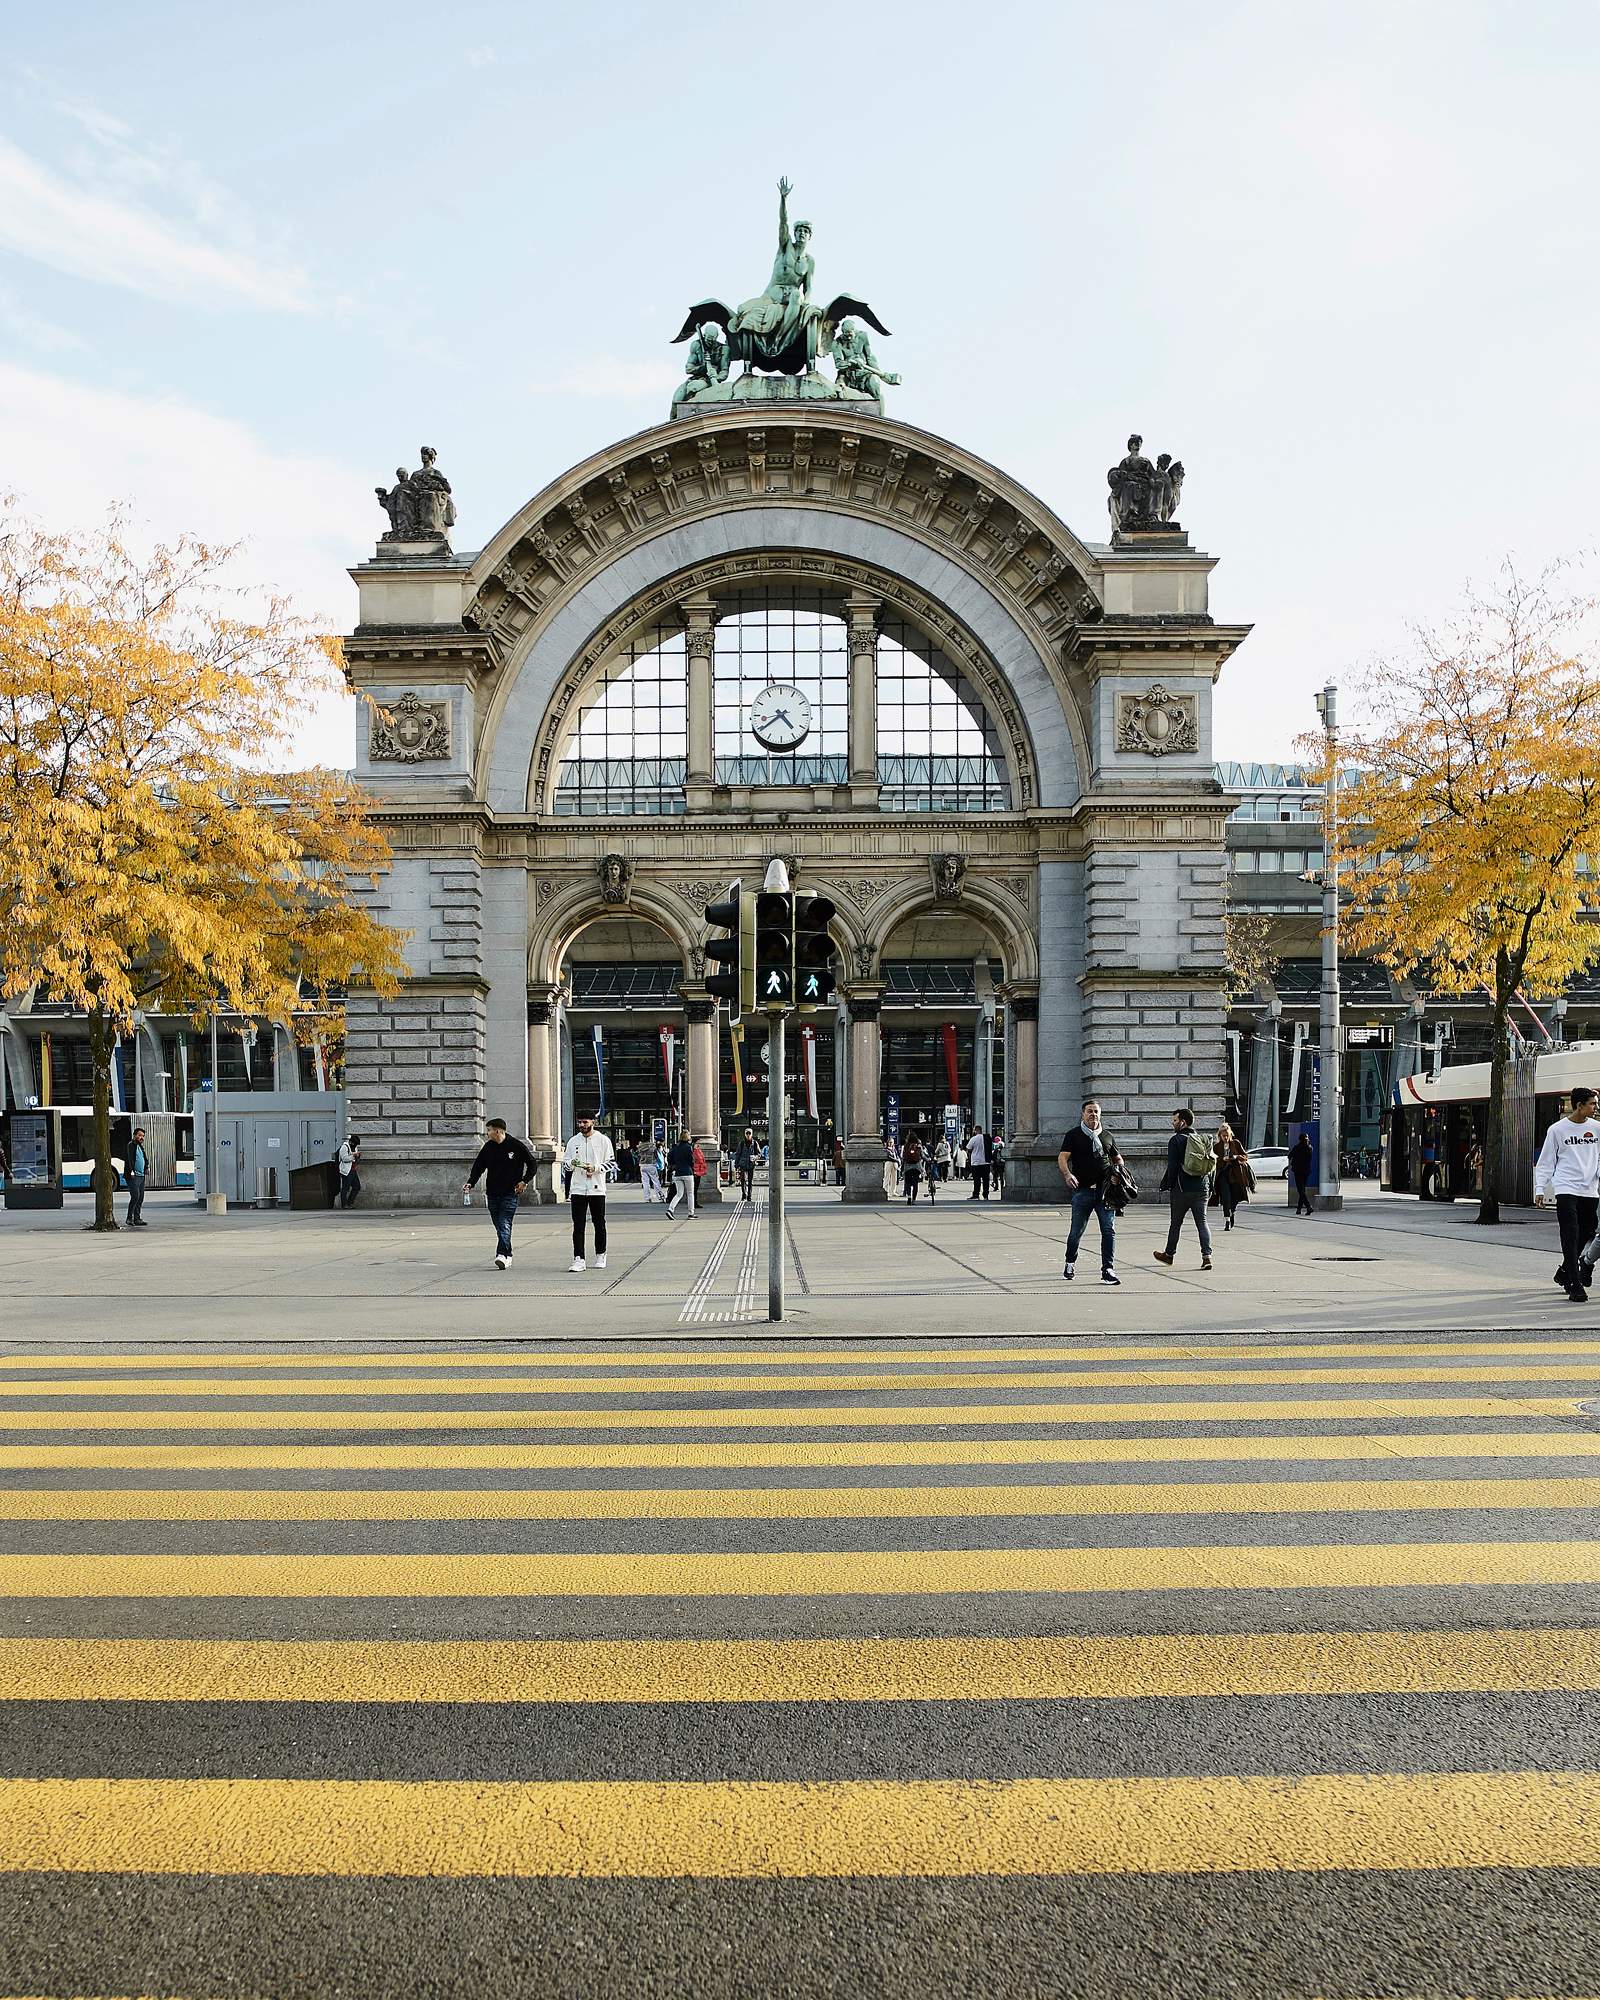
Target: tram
x=1439, y=1121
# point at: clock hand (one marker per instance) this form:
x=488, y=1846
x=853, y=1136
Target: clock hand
x=782, y=715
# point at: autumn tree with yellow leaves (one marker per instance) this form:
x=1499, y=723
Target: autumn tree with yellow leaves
x=1476, y=804
x=148, y=854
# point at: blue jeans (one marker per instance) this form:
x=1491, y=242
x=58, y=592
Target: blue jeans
x=502, y=1213
x=1184, y=1203
x=1087, y=1202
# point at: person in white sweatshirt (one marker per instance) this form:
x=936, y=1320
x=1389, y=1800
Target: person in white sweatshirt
x=589, y=1161
x=1569, y=1172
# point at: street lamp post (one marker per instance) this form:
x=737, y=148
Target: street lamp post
x=1328, y=1195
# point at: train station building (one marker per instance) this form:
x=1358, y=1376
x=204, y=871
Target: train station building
x=1006, y=787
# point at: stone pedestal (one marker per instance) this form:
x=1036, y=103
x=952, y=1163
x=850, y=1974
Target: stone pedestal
x=542, y=1134
x=700, y=1092
x=863, y=1151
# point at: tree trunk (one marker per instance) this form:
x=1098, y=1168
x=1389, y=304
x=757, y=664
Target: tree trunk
x=105, y=1175
x=1504, y=984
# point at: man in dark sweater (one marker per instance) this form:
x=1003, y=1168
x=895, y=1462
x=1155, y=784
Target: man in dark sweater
x=1082, y=1161
x=506, y=1166
x=1188, y=1192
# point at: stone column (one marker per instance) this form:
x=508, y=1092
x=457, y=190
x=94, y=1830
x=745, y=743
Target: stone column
x=863, y=1151
x=542, y=1133
x=700, y=1089
x=1025, y=1042
x=700, y=643
x=862, y=613
x=1022, y=1145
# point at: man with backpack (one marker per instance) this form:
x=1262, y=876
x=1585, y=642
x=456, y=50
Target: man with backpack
x=1190, y=1161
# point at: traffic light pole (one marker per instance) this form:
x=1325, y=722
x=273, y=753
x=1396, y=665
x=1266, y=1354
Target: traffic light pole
x=775, y=1052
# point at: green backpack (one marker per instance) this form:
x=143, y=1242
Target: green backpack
x=1199, y=1156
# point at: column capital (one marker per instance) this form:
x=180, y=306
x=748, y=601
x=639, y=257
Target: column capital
x=1024, y=1005
x=865, y=1002
x=699, y=1011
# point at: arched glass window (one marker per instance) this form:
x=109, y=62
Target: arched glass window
x=937, y=749
x=784, y=635
x=630, y=749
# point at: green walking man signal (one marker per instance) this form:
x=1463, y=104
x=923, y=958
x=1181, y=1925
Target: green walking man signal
x=774, y=951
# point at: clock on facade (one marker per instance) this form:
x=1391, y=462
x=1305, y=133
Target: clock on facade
x=780, y=717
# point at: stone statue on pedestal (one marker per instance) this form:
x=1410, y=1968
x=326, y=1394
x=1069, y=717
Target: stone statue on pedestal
x=419, y=505
x=782, y=329
x=1143, y=495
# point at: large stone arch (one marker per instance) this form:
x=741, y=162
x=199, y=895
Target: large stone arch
x=572, y=908
x=1003, y=911
x=633, y=520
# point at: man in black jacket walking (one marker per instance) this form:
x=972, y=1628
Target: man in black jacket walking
x=1187, y=1190
x=1082, y=1160
x=508, y=1166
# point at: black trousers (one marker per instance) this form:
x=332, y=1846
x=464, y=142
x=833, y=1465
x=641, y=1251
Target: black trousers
x=747, y=1176
x=980, y=1184
x=583, y=1206
x=136, y=1197
x=1575, y=1216
x=1303, y=1198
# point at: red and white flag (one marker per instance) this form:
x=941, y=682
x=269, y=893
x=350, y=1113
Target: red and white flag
x=808, y=1068
x=669, y=1054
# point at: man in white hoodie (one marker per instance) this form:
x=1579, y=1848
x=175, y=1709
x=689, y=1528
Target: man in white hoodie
x=589, y=1160
x=1569, y=1170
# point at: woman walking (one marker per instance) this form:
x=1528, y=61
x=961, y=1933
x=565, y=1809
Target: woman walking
x=1235, y=1180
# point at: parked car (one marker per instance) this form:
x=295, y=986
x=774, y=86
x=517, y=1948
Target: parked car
x=1270, y=1163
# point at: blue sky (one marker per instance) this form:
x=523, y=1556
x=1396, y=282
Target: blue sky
x=1341, y=260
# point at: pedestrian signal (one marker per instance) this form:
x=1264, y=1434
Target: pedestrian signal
x=774, y=948
x=732, y=954
x=813, y=951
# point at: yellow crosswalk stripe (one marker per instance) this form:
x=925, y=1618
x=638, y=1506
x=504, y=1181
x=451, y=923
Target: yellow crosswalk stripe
x=787, y=1415
x=690, y=1383
x=1171, y=1665
x=1304, y=1566
x=768, y=1455
x=676, y=1355
x=1034, y=1826
x=788, y=1503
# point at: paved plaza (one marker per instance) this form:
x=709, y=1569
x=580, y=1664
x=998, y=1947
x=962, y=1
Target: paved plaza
x=1385, y=1262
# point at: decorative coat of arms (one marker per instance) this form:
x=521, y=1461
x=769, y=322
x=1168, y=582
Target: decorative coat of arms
x=1156, y=723
x=409, y=731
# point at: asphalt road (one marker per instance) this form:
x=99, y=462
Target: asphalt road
x=1104, y=1667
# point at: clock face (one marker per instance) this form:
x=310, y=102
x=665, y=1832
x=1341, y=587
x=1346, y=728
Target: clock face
x=780, y=717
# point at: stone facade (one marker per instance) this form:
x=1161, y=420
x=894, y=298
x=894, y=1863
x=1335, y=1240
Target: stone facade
x=1100, y=887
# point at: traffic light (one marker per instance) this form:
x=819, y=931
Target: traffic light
x=813, y=951
x=775, y=947
x=736, y=982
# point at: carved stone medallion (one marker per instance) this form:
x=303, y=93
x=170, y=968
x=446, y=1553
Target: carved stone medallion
x=616, y=878
x=1156, y=723
x=409, y=731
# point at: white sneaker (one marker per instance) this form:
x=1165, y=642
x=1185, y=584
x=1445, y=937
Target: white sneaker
x=499, y=1263
x=600, y=1261
x=577, y=1264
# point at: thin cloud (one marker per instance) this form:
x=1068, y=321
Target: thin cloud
x=88, y=229
x=71, y=448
